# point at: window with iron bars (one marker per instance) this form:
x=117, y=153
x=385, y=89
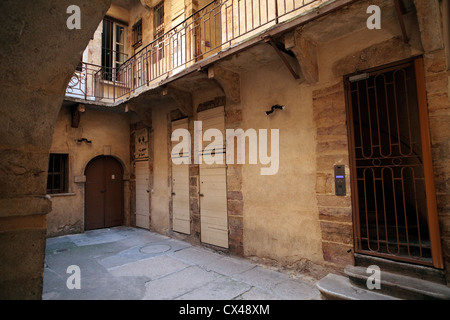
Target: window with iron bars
x=57, y=173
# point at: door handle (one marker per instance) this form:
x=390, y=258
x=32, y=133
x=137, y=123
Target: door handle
x=173, y=193
x=201, y=195
x=102, y=191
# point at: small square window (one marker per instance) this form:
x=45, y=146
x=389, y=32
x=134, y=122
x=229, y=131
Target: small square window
x=57, y=173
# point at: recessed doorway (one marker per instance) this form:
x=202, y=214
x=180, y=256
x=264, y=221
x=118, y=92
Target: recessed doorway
x=103, y=193
x=392, y=178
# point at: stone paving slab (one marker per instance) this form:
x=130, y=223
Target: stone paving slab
x=131, y=263
x=256, y=293
x=181, y=282
x=96, y=237
x=221, y=289
x=262, y=278
x=151, y=268
x=200, y=256
x=295, y=290
x=229, y=266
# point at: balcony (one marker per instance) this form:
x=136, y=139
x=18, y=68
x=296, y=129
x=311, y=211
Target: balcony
x=214, y=29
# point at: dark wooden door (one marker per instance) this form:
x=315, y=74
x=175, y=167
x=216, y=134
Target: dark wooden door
x=103, y=193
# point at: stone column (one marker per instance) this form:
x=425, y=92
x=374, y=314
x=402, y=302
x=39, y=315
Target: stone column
x=38, y=55
x=335, y=213
x=437, y=75
x=235, y=198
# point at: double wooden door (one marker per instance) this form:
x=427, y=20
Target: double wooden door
x=103, y=193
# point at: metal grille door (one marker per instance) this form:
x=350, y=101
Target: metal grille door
x=389, y=189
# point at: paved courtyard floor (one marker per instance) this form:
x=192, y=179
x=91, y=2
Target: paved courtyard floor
x=126, y=263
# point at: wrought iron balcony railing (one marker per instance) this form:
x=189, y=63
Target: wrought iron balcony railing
x=83, y=81
x=214, y=28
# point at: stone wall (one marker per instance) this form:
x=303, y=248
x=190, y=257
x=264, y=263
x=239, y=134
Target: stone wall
x=160, y=193
x=431, y=20
x=235, y=198
x=108, y=133
x=294, y=215
x=280, y=214
x=437, y=80
x=335, y=212
x=37, y=63
x=359, y=49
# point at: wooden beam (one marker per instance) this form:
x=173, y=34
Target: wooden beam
x=270, y=41
x=399, y=8
x=75, y=117
x=305, y=51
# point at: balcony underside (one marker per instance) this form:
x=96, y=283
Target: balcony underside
x=220, y=72
x=194, y=74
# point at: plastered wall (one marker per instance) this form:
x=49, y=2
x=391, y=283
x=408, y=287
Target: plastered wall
x=109, y=135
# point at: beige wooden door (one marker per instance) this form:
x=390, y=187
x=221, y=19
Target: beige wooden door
x=180, y=186
x=142, y=195
x=213, y=206
x=213, y=183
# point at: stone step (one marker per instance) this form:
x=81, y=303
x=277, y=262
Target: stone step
x=400, y=286
x=406, y=269
x=337, y=287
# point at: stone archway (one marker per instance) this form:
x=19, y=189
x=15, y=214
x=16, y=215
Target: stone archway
x=38, y=55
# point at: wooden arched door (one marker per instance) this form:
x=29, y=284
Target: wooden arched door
x=103, y=193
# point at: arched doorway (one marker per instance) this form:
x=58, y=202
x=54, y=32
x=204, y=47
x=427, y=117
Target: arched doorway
x=103, y=193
